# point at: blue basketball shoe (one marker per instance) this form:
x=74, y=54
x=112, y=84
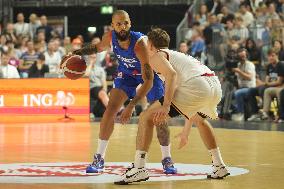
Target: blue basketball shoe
x=168, y=166
x=97, y=165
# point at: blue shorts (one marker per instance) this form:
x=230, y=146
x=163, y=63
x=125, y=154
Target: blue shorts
x=129, y=83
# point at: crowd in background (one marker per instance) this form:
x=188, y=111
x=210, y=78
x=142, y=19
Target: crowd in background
x=253, y=29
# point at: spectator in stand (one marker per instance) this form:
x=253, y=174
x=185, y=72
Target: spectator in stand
x=260, y=15
x=254, y=4
x=21, y=47
x=21, y=27
x=202, y=15
x=7, y=71
x=246, y=79
x=52, y=57
x=3, y=41
x=271, y=13
x=273, y=90
x=9, y=32
x=27, y=59
x=246, y=15
x=254, y=54
x=240, y=32
x=183, y=47
x=67, y=44
x=98, y=87
x=278, y=47
x=197, y=44
x=33, y=25
x=272, y=75
x=41, y=41
x=226, y=15
x=45, y=28
x=58, y=48
x=39, y=68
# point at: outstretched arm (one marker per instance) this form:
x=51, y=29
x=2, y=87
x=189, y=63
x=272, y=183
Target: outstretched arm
x=91, y=49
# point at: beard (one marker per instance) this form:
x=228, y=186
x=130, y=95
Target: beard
x=122, y=35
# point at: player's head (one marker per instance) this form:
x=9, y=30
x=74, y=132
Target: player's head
x=158, y=39
x=121, y=24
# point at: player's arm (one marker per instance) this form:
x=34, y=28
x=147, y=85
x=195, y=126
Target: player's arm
x=91, y=49
x=146, y=71
x=161, y=65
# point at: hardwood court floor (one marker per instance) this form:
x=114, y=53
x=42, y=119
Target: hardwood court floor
x=261, y=152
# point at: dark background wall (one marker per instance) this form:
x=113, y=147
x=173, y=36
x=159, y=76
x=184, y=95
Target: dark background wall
x=142, y=17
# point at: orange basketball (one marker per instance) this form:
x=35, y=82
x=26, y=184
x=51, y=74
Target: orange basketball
x=73, y=66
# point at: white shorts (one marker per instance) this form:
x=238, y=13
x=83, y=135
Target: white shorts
x=199, y=94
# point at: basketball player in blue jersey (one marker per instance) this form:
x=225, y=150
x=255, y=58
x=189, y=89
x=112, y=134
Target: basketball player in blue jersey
x=131, y=50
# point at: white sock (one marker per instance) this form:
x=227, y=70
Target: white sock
x=140, y=159
x=166, y=151
x=102, y=146
x=216, y=156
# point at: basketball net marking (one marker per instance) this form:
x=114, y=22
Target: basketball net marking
x=64, y=66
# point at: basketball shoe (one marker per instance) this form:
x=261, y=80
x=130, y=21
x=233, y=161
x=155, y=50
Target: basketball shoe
x=219, y=172
x=133, y=174
x=97, y=165
x=168, y=166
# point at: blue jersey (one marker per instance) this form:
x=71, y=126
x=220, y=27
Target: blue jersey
x=129, y=70
x=128, y=63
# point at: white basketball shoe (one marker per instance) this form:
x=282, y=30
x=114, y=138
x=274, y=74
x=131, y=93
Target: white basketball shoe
x=133, y=174
x=219, y=172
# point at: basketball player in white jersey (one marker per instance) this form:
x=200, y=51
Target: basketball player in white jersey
x=191, y=89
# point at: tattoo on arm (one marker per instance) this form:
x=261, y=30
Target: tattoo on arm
x=163, y=134
x=147, y=71
x=87, y=50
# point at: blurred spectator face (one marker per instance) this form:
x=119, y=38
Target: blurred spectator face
x=20, y=17
x=277, y=45
x=43, y=20
x=229, y=25
x=243, y=9
x=76, y=44
x=33, y=18
x=5, y=59
x=96, y=40
x=249, y=44
x=225, y=10
x=203, y=9
x=271, y=8
x=10, y=28
x=183, y=48
x=67, y=41
x=242, y=55
x=41, y=36
x=268, y=23
x=239, y=22
x=272, y=58
x=2, y=40
x=30, y=46
x=51, y=46
x=10, y=45
x=56, y=44
x=212, y=19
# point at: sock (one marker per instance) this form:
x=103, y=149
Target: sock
x=140, y=159
x=102, y=146
x=166, y=151
x=216, y=156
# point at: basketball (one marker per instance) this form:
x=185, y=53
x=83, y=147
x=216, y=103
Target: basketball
x=73, y=66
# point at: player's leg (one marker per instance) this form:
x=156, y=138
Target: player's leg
x=103, y=97
x=144, y=138
x=208, y=137
x=106, y=128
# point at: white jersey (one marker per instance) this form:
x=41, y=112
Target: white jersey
x=186, y=66
x=198, y=90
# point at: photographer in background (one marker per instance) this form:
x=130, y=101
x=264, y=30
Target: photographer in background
x=246, y=79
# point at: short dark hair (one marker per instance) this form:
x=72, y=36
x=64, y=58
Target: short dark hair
x=159, y=38
x=41, y=57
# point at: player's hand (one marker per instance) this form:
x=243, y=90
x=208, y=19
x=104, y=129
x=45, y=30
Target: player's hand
x=126, y=114
x=183, y=139
x=161, y=115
